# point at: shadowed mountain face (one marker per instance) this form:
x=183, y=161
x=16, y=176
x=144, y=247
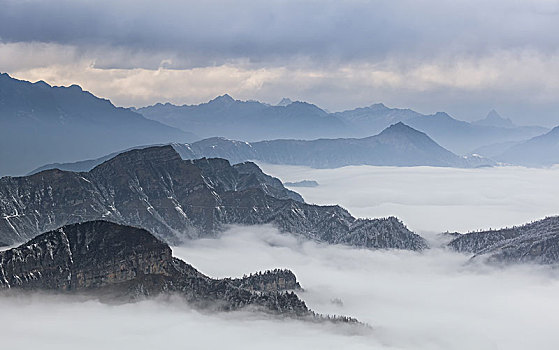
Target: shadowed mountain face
x=538, y=151
x=41, y=123
x=537, y=242
x=398, y=145
x=249, y=120
x=155, y=189
x=122, y=263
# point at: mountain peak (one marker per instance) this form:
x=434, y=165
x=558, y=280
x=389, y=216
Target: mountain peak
x=494, y=119
x=284, y=102
x=441, y=115
x=493, y=115
x=224, y=99
x=42, y=83
x=158, y=155
x=378, y=107
x=5, y=76
x=398, y=128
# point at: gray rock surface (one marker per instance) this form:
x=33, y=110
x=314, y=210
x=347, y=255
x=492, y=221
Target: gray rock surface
x=178, y=199
x=122, y=263
x=536, y=242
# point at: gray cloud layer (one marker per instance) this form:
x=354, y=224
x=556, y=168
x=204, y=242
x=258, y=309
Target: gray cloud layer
x=216, y=31
x=461, y=56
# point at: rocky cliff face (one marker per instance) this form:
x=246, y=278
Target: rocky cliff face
x=271, y=280
x=537, y=242
x=177, y=199
x=127, y=263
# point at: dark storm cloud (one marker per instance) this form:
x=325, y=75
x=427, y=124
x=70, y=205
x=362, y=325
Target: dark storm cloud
x=213, y=32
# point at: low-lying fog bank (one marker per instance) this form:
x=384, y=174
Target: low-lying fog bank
x=430, y=199
x=430, y=300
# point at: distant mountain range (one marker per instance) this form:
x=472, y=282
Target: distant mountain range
x=455, y=135
x=255, y=121
x=178, y=199
x=536, y=242
x=249, y=120
x=40, y=123
x=397, y=145
x=539, y=151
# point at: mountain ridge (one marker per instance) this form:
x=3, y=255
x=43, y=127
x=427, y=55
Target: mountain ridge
x=536, y=242
x=40, y=122
x=117, y=263
x=397, y=145
x=178, y=199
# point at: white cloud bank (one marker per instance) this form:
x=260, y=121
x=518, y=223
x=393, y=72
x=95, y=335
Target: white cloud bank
x=433, y=200
x=413, y=301
x=419, y=301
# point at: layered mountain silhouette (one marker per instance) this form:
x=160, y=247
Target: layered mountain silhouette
x=255, y=121
x=398, y=145
x=249, y=120
x=539, y=151
x=40, y=123
x=536, y=242
x=494, y=119
x=178, y=199
x=457, y=136
x=121, y=263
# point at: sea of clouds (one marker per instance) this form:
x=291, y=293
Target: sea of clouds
x=433, y=200
x=430, y=300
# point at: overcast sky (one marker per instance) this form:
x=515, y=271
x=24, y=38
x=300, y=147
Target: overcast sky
x=463, y=57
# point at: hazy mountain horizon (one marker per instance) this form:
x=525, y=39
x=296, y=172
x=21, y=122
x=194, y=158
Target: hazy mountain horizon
x=41, y=122
x=257, y=121
x=397, y=145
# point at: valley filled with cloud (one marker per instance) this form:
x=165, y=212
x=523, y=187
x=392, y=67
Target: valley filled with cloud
x=434, y=299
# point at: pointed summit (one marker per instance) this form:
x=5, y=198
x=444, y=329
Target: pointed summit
x=378, y=107
x=494, y=119
x=284, y=102
x=223, y=99
x=399, y=128
x=493, y=115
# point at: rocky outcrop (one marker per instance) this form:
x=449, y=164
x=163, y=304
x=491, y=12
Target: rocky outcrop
x=270, y=280
x=536, y=242
x=124, y=263
x=177, y=199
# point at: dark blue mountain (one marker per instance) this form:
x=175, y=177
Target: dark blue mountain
x=250, y=120
x=41, y=123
